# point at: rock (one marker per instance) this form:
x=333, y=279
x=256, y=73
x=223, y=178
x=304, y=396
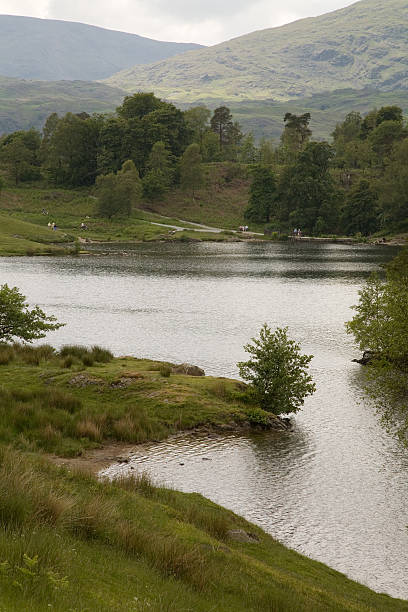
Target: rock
x=121, y=383
x=122, y=459
x=239, y=535
x=366, y=358
x=83, y=380
x=188, y=368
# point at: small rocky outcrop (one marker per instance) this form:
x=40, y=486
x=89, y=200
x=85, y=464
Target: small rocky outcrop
x=187, y=368
x=239, y=535
x=83, y=380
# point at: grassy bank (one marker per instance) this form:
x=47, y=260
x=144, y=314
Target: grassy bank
x=69, y=542
x=78, y=399
x=220, y=203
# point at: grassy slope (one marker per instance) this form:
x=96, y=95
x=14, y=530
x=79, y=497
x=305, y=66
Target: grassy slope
x=130, y=545
x=363, y=45
x=220, y=203
x=49, y=403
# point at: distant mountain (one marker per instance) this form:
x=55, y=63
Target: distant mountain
x=50, y=50
x=26, y=104
x=363, y=45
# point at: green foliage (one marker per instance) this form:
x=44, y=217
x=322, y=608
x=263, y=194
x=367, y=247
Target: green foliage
x=380, y=326
x=117, y=193
x=277, y=372
x=17, y=321
x=20, y=154
x=197, y=120
x=160, y=174
x=262, y=194
x=360, y=213
x=307, y=196
x=296, y=133
x=191, y=173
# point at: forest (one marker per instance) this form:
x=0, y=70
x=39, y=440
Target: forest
x=355, y=185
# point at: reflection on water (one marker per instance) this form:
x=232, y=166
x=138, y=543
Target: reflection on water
x=336, y=487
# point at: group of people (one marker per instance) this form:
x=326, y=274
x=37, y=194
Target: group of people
x=52, y=225
x=243, y=228
x=297, y=233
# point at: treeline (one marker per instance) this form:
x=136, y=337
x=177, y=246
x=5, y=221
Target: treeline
x=358, y=184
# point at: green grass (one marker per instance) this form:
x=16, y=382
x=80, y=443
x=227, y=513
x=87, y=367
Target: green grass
x=77, y=399
x=69, y=542
x=19, y=237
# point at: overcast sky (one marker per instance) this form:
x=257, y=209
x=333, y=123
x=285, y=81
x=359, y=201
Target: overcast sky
x=203, y=21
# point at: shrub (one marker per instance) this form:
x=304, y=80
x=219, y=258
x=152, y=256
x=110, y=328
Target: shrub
x=88, y=360
x=101, y=355
x=165, y=371
x=277, y=372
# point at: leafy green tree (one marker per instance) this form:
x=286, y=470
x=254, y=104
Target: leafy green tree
x=222, y=125
x=160, y=174
x=73, y=150
x=262, y=194
x=266, y=152
x=117, y=193
x=197, y=120
x=210, y=147
x=306, y=191
x=138, y=105
x=248, y=152
x=384, y=136
x=380, y=326
x=361, y=211
x=19, y=152
x=277, y=372
x=191, y=173
x=296, y=132
x=393, y=188
x=17, y=321
x=368, y=124
x=389, y=113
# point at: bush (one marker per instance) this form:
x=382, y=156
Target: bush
x=165, y=371
x=277, y=372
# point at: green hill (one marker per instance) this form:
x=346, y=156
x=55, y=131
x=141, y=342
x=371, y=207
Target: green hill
x=51, y=50
x=362, y=46
x=25, y=104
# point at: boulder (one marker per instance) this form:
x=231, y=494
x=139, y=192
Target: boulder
x=239, y=535
x=187, y=368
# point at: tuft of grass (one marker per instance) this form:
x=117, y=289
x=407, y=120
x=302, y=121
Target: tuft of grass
x=165, y=371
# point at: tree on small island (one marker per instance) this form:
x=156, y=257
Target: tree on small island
x=277, y=372
x=17, y=321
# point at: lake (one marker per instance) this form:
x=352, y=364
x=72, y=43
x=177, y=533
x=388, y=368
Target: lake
x=335, y=488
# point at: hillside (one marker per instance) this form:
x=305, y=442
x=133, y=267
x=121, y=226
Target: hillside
x=26, y=104
x=53, y=50
x=363, y=45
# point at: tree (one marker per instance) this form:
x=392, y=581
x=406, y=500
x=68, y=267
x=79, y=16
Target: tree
x=307, y=196
x=296, y=132
x=248, y=152
x=197, y=119
x=380, y=326
x=393, y=187
x=277, y=372
x=19, y=152
x=222, y=124
x=17, y=321
x=361, y=211
x=262, y=194
x=191, y=173
x=160, y=174
x=117, y=193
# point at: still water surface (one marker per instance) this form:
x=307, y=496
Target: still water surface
x=336, y=487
